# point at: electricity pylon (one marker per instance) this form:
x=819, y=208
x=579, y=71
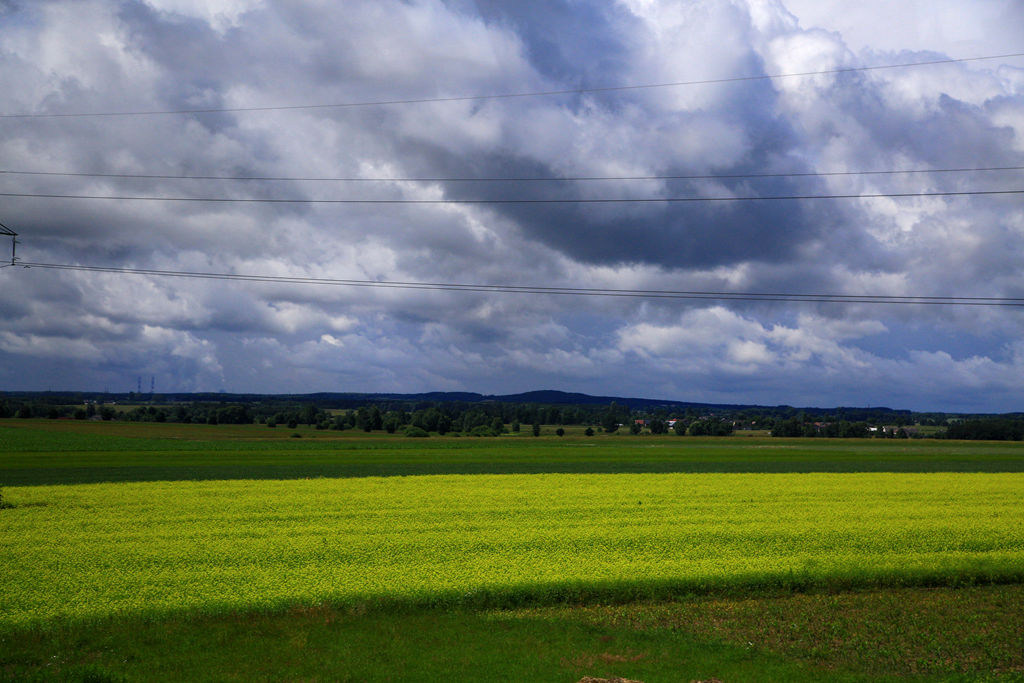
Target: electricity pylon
x=4, y=230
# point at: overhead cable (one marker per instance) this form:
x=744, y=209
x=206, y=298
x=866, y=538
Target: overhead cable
x=535, y=93
x=563, y=291
x=583, y=200
x=442, y=179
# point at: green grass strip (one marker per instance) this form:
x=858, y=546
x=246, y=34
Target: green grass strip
x=40, y=452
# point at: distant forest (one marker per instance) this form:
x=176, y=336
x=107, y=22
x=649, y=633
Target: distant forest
x=476, y=414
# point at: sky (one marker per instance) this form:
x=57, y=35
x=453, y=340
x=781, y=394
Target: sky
x=253, y=66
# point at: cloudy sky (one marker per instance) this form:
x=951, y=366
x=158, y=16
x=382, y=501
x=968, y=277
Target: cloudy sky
x=253, y=65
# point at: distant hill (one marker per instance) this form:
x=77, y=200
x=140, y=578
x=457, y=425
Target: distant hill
x=353, y=399
x=553, y=397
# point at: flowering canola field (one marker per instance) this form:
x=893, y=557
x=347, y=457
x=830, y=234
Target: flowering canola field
x=95, y=550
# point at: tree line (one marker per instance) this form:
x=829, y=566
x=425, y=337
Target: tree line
x=495, y=417
x=489, y=418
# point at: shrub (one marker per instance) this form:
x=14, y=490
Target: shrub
x=416, y=432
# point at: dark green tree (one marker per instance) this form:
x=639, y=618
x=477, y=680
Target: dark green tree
x=790, y=427
x=444, y=424
x=611, y=419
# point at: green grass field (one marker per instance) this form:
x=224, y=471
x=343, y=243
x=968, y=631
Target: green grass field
x=34, y=452
x=148, y=552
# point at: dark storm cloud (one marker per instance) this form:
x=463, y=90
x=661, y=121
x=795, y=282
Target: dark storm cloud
x=568, y=42
x=185, y=46
x=669, y=234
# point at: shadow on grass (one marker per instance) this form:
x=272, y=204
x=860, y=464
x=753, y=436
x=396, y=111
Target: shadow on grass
x=415, y=644
x=781, y=628
x=754, y=636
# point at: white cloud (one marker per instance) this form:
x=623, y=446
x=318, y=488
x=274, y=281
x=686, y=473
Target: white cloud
x=962, y=29
x=222, y=14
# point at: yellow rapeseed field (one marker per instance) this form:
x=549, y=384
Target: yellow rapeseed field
x=93, y=550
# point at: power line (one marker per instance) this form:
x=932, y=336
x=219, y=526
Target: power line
x=606, y=200
x=536, y=93
x=440, y=179
x=563, y=291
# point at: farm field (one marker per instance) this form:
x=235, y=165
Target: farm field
x=34, y=452
x=130, y=546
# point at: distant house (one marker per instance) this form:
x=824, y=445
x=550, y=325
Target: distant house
x=894, y=430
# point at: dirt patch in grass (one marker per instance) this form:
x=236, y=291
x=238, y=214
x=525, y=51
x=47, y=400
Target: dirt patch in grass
x=910, y=631
x=589, y=661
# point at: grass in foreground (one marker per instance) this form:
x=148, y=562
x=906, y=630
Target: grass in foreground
x=974, y=633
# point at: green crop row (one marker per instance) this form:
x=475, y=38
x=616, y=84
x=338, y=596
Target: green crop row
x=94, y=550
x=72, y=452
